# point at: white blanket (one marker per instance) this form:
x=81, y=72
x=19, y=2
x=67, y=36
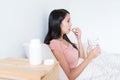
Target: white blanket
x=104, y=67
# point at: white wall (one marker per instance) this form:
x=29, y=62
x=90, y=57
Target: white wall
x=23, y=20
x=98, y=18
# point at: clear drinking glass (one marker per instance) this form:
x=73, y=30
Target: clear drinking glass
x=92, y=43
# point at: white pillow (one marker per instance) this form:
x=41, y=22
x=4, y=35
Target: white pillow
x=47, y=54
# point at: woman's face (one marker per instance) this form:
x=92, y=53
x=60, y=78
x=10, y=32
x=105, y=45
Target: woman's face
x=66, y=24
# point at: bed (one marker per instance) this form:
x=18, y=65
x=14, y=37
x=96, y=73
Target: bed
x=105, y=67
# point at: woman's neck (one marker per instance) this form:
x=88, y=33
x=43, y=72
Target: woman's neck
x=61, y=38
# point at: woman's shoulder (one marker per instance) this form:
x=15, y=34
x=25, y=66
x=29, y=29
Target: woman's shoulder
x=54, y=41
x=55, y=44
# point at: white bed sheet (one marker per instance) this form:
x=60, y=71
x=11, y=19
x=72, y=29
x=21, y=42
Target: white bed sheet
x=104, y=67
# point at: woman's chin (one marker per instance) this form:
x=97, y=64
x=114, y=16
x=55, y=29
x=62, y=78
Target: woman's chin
x=68, y=32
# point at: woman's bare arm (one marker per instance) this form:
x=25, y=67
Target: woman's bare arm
x=80, y=49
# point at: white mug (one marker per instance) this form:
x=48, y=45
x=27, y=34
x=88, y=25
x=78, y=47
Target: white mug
x=35, y=52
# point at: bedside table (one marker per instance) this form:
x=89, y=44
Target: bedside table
x=20, y=69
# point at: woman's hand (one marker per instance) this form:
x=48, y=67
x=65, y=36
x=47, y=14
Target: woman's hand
x=93, y=53
x=77, y=32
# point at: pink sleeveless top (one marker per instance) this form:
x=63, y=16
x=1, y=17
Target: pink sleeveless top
x=69, y=52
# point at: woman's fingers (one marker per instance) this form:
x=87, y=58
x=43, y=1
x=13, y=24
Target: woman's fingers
x=93, y=53
x=76, y=31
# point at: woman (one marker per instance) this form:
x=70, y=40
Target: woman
x=63, y=49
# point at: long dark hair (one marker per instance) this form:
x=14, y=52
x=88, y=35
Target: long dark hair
x=54, y=30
